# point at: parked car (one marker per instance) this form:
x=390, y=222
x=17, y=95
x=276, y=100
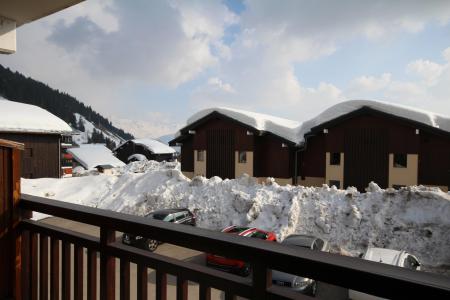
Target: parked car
x=297, y=283
x=234, y=265
x=386, y=256
x=173, y=215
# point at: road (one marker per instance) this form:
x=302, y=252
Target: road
x=325, y=291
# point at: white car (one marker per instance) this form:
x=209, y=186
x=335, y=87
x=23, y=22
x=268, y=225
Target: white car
x=386, y=256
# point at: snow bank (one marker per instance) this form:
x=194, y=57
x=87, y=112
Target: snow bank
x=343, y=108
x=21, y=117
x=93, y=155
x=416, y=219
x=282, y=127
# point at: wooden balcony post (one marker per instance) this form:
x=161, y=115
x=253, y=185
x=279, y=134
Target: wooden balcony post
x=10, y=239
x=107, y=265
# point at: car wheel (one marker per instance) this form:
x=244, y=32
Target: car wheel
x=245, y=271
x=151, y=245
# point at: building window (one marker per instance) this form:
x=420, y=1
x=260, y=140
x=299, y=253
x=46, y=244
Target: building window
x=242, y=157
x=336, y=183
x=201, y=155
x=335, y=158
x=400, y=160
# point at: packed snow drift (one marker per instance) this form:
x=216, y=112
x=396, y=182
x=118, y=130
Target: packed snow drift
x=415, y=219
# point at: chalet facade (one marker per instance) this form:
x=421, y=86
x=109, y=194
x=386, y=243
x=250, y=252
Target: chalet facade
x=392, y=146
x=227, y=143
x=350, y=144
x=39, y=131
x=140, y=149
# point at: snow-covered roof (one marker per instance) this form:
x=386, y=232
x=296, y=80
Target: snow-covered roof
x=21, y=117
x=343, y=108
x=92, y=155
x=154, y=146
x=282, y=127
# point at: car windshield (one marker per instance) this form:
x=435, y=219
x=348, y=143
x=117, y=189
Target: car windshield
x=237, y=229
x=157, y=216
x=297, y=242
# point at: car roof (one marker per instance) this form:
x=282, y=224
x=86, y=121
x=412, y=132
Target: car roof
x=300, y=240
x=387, y=256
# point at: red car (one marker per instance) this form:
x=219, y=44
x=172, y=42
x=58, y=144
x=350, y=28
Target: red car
x=234, y=265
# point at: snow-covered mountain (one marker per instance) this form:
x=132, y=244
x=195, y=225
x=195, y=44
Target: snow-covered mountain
x=91, y=130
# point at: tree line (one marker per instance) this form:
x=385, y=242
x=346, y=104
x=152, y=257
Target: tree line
x=16, y=87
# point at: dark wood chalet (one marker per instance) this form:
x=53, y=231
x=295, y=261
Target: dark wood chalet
x=368, y=144
x=139, y=149
x=40, y=132
x=219, y=145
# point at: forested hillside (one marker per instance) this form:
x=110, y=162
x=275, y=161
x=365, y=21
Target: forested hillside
x=16, y=87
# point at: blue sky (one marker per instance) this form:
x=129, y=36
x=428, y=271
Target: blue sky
x=149, y=66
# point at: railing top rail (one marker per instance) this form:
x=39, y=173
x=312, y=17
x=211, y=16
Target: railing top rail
x=375, y=278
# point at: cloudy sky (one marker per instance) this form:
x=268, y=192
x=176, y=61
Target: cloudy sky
x=148, y=65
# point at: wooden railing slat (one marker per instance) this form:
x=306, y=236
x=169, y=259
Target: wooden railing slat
x=34, y=265
x=161, y=285
x=25, y=264
x=43, y=266
x=78, y=272
x=142, y=282
x=182, y=288
x=54, y=266
x=107, y=265
x=205, y=292
x=92, y=274
x=124, y=279
x=66, y=271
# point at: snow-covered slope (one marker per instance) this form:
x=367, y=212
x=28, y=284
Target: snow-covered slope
x=89, y=128
x=282, y=127
x=92, y=155
x=21, y=117
x=415, y=219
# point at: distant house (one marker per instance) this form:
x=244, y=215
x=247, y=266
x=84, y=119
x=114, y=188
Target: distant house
x=105, y=169
x=40, y=132
x=356, y=142
x=228, y=142
x=139, y=149
x=94, y=156
x=349, y=144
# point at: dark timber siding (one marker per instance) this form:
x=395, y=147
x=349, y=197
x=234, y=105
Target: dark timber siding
x=312, y=161
x=271, y=159
x=434, y=160
x=220, y=153
x=187, y=156
x=366, y=158
x=130, y=148
x=41, y=157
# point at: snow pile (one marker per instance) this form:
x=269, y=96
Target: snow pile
x=83, y=138
x=20, y=117
x=93, y=155
x=343, y=108
x=415, y=219
x=282, y=127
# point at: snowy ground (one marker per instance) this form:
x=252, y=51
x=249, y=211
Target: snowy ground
x=416, y=219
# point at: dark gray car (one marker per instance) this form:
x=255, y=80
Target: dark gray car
x=173, y=215
x=297, y=283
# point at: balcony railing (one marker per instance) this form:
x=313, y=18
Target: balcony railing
x=373, y=278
